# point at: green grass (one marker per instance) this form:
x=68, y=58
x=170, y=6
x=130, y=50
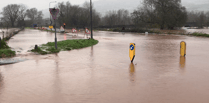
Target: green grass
x=6, y=53
x=199, y=34
x=3, y=45
x=5, y=50
x=66, y=45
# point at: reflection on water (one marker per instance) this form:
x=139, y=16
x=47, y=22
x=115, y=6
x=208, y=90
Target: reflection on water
x=92, y=51
x=65, y=37
x=1, y=78
x=132, y=72
x=1, y=82
x=182, y=62
x=57, y=83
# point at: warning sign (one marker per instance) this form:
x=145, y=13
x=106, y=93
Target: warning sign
x=74, y=30
x=87, y=31
x=50, y=27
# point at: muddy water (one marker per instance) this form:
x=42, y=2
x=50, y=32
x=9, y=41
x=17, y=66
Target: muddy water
x=27, y=39
x=103, y=73
x=7, y=32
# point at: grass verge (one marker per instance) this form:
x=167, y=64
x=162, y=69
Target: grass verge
x=64, y=46
x=5, y=50
x=199, y=34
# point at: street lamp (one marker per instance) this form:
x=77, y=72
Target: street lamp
x=49, y=9
x=91, y=18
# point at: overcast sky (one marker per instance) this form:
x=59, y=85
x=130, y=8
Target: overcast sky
x=102, y=6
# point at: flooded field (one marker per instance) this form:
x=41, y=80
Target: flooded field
x=104, y=74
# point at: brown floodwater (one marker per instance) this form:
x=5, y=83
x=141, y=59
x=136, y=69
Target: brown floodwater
x=103, y=73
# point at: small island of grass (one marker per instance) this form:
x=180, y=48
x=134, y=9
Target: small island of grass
x=66, y=45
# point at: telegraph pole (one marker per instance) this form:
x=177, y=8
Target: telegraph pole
x=91, y=18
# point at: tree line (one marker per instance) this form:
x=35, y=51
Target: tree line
x=198, y=19
x=15, y=15
x=163, y=14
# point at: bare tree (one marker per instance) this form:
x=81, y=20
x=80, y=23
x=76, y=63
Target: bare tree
x=116, y=18
x=198, y=18
x=11, y=13
x=22, y=15
x=75, y=16
x=207, y=18
x=34, y=15
x=165, y=13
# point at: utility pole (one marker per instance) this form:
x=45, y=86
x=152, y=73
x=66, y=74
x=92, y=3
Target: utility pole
x=54, y=13
x=55, y=34
x=91, y=18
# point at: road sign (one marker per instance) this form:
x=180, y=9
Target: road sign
x=50, y=27
x=183, y=48
x=74, y=30
x=62, y=29
x=54, y=12
x=87, y=31
x=132, y=51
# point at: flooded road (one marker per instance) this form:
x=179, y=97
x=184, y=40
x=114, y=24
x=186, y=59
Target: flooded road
x=103, y=73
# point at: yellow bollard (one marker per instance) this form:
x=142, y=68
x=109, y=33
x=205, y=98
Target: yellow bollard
x=183, y=48
x=132, y=51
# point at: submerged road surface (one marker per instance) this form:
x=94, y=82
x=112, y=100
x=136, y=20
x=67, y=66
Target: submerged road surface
x=103, y=73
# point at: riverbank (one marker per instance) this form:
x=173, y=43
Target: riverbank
x=5, y=50
x=12, y=33
x=65, y=45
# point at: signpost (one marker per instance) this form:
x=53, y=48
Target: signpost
x=50, y=27
x=54, y=13
x=91, y=18
x=132, y=52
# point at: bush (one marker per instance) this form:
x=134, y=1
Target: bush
x=3, y=45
